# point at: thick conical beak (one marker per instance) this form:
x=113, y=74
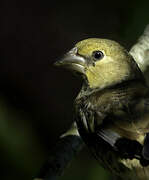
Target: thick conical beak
x=72, y=61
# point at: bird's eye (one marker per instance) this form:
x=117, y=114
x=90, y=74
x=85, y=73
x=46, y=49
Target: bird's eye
x=98, y=55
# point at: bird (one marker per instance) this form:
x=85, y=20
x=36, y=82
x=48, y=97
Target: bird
x=112, y=108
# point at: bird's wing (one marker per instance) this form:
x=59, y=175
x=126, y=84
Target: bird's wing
x=109, y=136
x=140, y=52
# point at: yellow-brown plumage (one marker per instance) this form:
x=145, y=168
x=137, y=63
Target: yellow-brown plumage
x=112, y=108
x=115, y=66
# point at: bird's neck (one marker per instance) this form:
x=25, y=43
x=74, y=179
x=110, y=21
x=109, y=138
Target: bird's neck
x=130, y=86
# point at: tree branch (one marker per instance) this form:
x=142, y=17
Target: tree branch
x=140, y=52
x=60, y=156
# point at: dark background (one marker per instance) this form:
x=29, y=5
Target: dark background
x=36, y=99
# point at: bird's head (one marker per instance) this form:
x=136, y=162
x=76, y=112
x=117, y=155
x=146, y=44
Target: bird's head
x=101, y=62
